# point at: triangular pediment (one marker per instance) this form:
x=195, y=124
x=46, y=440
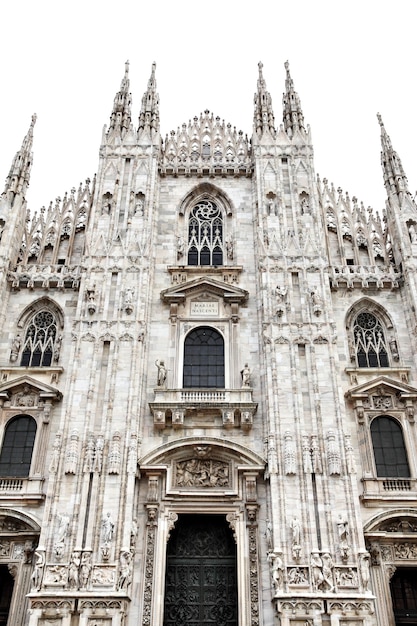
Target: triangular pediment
x=27, y=387
x=382, y=385
x=204, y=285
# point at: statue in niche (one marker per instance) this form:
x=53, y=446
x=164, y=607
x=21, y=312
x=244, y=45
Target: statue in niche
x=316, y=570
x=16, y=344
x=295, y=526
x=280, y=294
x=229, y=249
x=85, y=570
x=277, y=570
x=364, y=570
x=343, y=532
x=37, y=574
x=57, y=348
x=125, y=571
x=128, y=300
x=139, y=204
x=327, y=572
x=316, y=301
x=133, y=532
x=98, y=458
x=413, y=233
x=162, y=373
x=64, y=521
x=180, y=247
x=272, y=208
x=108, y=528
x=268, y=534
x=305, y=203
x=73, y=570
x=245, y=375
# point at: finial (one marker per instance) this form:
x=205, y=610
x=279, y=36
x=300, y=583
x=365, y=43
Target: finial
x=126, y=69
x=34, y=118
x=260, y=66
x=379, y=116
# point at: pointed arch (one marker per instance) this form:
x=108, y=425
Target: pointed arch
x=371, y=335
x=42, y=322
x=206, y=209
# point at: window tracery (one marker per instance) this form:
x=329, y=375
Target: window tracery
x=40, y=340
x=205, y=234
x=369, y=341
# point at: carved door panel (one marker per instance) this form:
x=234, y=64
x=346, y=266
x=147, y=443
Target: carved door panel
x=201, y=576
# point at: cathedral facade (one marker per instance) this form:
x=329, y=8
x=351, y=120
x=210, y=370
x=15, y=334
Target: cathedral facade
x=208, y=384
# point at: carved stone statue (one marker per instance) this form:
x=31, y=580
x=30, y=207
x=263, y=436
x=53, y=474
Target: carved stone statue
x=162, y=373
x=14, y=353
x=327, y=584
x=85, y=570
x=73, y=570
x=108, y=528
x=38, y=570
x=295, y=526
x=125, y=571
x=364, y=570
x=277, y=570
x=245, y=374
x=343, y=532
x=316, y=565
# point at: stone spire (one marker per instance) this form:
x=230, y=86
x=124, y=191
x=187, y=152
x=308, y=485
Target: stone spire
x=263, y=117
x=17, y=181
x=395, y=180
x=292, y=112
x=149, y=112
x=120, y=118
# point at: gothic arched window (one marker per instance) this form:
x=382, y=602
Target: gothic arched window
x=370, y=346
x=41, y=333
x=389, y=448
x=205, y=234
x=17, y=448
x=204, y=358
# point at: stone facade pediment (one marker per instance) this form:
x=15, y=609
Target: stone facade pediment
x=382, y=385
x=201, y=287
x=25, y=391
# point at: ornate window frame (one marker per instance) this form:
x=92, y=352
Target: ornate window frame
x=381, y=397
x=389, y=339
x=25, y=320
x=205, y=223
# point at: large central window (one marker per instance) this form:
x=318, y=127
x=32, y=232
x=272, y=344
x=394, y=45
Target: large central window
x=389, y=448
x=204, y=358
x=205, y=234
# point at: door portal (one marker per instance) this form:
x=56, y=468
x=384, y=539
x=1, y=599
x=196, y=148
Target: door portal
x=404, y=596
x=201, y=573
x=6, y=591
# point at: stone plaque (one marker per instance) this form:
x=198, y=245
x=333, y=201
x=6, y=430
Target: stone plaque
x=204, y=309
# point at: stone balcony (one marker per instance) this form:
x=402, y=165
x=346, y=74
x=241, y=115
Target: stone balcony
x=27, y=490
x=377, y=490
x=188, y=408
